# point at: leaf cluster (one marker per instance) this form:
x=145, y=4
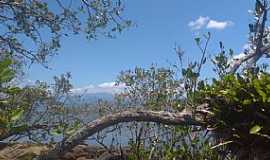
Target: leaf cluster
x=239, y=112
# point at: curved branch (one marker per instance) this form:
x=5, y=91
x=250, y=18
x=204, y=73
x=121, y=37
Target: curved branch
x=168, y=118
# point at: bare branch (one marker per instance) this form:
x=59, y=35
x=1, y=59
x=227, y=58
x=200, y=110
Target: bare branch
x=254, y=54
x=168, y=118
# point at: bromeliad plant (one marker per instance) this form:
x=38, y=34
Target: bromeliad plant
x=239, y=114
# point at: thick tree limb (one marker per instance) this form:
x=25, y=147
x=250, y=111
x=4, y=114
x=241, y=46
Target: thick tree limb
x=254, y=55
x=182, y=118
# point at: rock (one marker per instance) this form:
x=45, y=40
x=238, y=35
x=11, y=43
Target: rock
x=22, y=151
x=84, y=158
x=80, y=152
x=69, y=156
x=112, y=156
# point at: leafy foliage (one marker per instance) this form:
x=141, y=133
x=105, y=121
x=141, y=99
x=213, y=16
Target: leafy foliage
x=36, y=112
x=239, y=107
x=221, y=61
x=31, y=30
x=153, y=88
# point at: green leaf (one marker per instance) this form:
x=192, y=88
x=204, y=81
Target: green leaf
x=197, y=40
x=259, y=89
x=71, y=131
x=13, y=90
x=221, y=45
x=20, y=128
x=268, y=86
x=255, y=129
x=4, y=102
x=6, y=74
x=56, y=132
x=5, y=63
x=74, y=128
x=17, y=115
x=247, y=102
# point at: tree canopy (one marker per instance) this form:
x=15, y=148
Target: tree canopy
x=31, y=30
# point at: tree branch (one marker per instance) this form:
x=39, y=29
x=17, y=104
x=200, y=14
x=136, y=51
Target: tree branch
x=254, y=56
x=168, y=118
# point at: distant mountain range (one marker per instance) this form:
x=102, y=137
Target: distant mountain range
x=92, y=98
x=93, y=93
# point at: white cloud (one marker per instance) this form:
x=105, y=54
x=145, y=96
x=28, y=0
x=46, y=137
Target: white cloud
x=198, y=23
x=213, y=24
x=206, y=22
x=82, y=89
x=107, y=87
x=24, y=82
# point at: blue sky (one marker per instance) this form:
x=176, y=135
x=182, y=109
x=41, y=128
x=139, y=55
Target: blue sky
x=160, y=24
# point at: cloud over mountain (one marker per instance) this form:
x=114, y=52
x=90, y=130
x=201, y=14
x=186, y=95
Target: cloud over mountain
x=107, y=87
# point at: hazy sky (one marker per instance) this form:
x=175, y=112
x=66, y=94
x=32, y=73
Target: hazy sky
x=160, y=25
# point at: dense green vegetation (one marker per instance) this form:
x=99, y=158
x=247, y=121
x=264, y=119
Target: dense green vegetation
x=239, y=113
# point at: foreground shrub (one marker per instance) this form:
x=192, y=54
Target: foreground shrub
x=239, y=114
